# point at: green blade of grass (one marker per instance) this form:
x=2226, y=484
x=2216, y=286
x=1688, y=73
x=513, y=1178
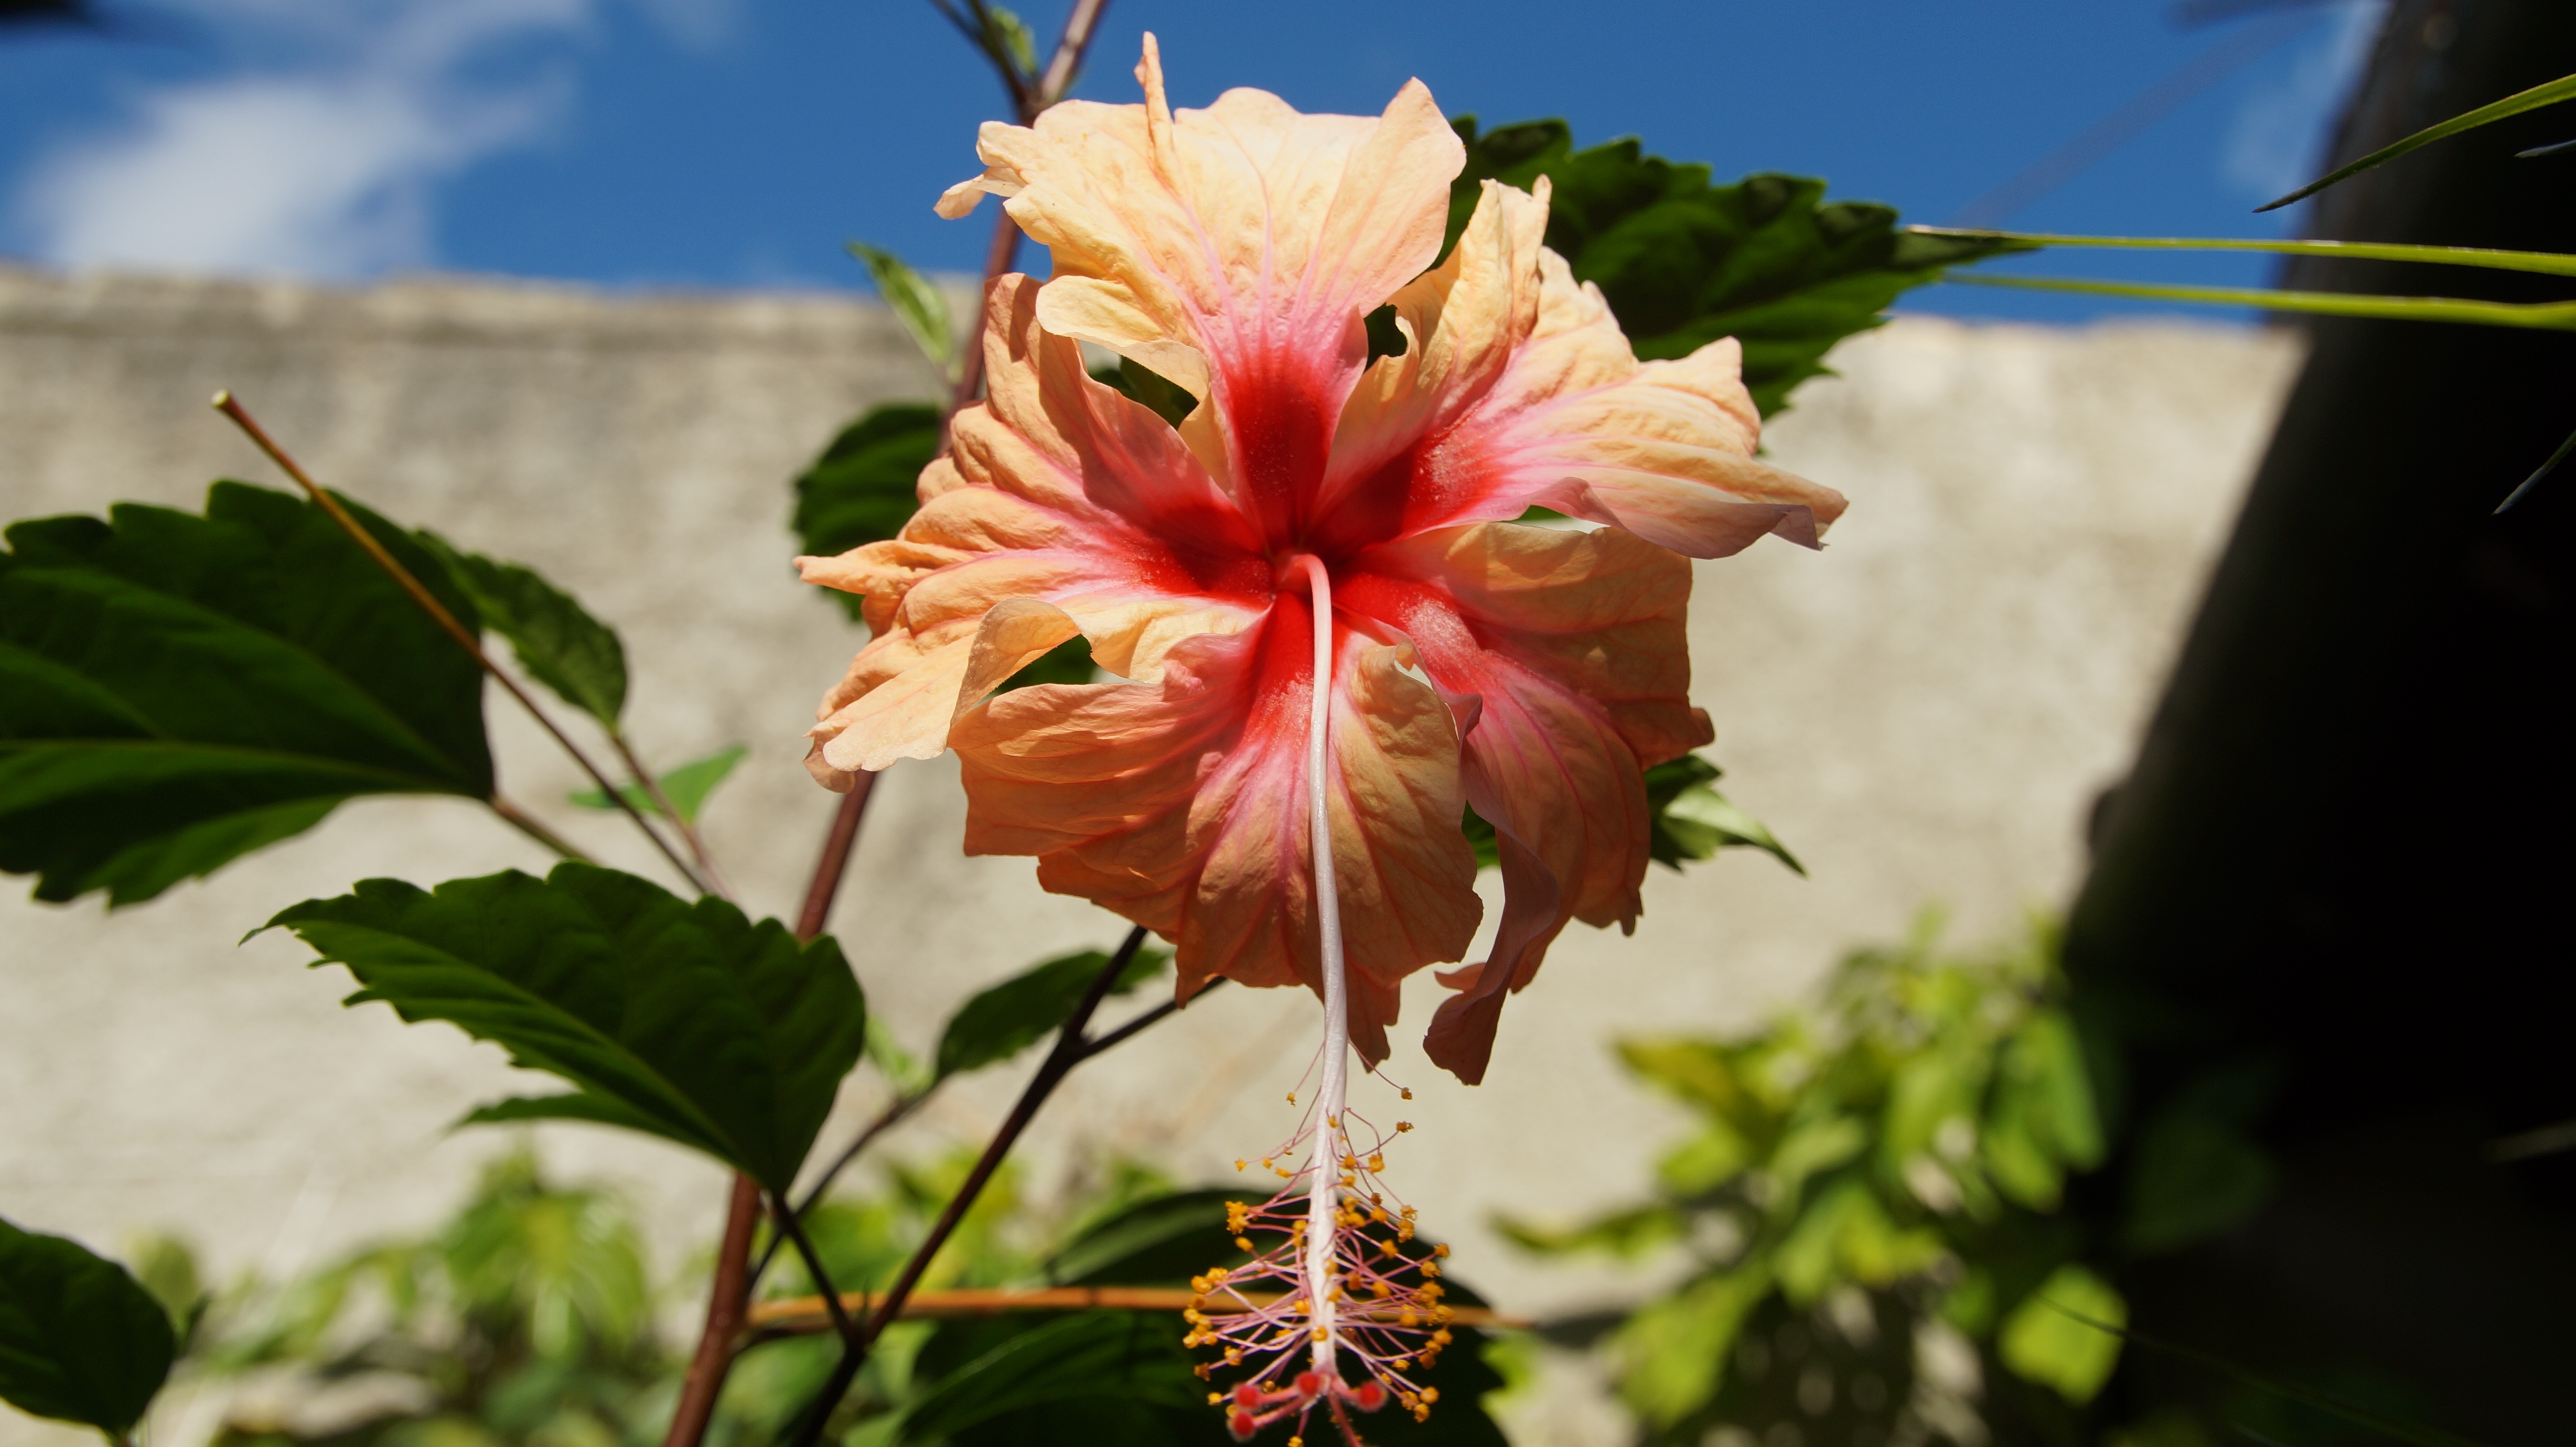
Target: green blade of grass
x=2512, y=105
x=2547, y=263
x=2540, y=316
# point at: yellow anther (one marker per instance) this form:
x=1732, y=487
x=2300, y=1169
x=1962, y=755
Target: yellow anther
x=1377, y=1160
x=1216, y=1398
x=1233, y=1358
x=1240, y=1163
x=1202, y=1371
x=1431, y=1268
x=1431, y=1394
x=1408, y=1317
x=1402, y=1126
x=1292, y=1097
x=1405, y=1093
x=1441, y=1250
x=1242, y=1243
x=1318, y=1333
x=1334, y=1121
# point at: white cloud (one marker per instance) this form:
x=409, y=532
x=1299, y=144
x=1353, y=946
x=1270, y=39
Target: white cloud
x=320, y=167
x=2278, y=134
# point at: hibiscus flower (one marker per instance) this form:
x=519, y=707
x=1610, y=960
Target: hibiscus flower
x=1529, y=671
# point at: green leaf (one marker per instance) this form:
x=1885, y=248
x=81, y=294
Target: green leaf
x=177, y=690
x=1124, y=1357
x=1688, y=819
x=1012, y=34
x=861, y=490
x=682, y=1020
x=687, y=786
x=2533, y=99
x=556, y=640
x=1675, y=1349
x=80, y=1340
x=1012, y=1016
x=1628, y=1233
x=1142, y=384
x=2043, y=1343
x=1067, y=662
x=2192, y=1176
x=1163, y=1241
x=916, y=303
x=1682, y=262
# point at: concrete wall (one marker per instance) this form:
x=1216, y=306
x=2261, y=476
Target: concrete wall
x=1924, y=711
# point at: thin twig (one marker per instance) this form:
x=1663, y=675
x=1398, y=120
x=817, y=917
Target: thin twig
x=232, y=408
x=794, y=1230
x=526, y=823
x=661, y=798
x=1071, y=1047
x=1142, y=1022
x=886, y=1119
x=1066, y=63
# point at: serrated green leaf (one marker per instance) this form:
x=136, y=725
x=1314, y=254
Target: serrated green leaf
x=80, y=1339
x=683, y=1020
x=916, y=303
x=2042, y=1343
x=862, y=489
x=1682, y=262
x=687, y=786
x=1008, y=1018
x=178, y=689
x=554, y=638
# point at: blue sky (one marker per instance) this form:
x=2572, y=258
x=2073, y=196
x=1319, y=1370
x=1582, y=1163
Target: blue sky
x=737, y=143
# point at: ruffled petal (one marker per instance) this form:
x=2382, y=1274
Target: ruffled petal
x=1182, y=806
x=1573, y=646
x=1063, y=508
x=1525, y=393
x=1234, y=250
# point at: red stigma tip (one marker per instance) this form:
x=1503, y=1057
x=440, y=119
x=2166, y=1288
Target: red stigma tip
x=1240, y=1425
x=1247, y=1395
x=1310, y=1385
x=1368, y=1396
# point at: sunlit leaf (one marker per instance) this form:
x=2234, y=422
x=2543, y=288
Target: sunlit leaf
x=554, y=638
x=687, y=786
x=2533, y=99
x=177, y=690
x=2043, y=1343
x=1008, y=1018
x=861, y=490
x=679, y=1019
x=1163, y=1241
x=1688, y=819
x=1675, y=1349
x=80, y=1339
x=1682, y=263
x=916, y=303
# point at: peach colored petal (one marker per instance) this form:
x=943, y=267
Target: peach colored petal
x=1573, y=646
x=1182, y=806
x=1064, y=508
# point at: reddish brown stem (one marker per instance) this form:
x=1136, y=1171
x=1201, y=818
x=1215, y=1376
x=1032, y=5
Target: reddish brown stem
x=725, y=1307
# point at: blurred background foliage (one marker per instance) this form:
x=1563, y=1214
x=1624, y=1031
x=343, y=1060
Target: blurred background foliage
x=1867, y=1212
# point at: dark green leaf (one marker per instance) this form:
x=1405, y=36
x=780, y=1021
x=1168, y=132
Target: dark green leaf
x=1682, y=263
x=80, y=1340
x=1142, y=384
x=1126, y=1357
x=1017, y=1013
x=555, y=638
x=1067, y=662
x=916, y=303
x=177, y=690
x=687, y=786
x=861, y=490
x=682, y=1020
x=1161, y=1242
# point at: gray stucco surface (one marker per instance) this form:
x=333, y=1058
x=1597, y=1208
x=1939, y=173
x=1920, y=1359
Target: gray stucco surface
x=1924, y=711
